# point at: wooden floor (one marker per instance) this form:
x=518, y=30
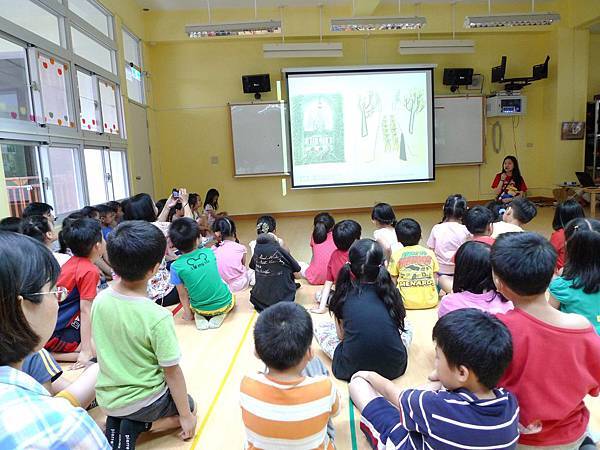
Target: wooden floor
x=214, y=361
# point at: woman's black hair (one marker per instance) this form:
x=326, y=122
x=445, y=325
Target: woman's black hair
x=177, y=207
x=455, y=207
x=565, y=212
x=516, y=173
x=226, y=227
x=323, y=224
x=193, y=200
x=365, y=265
x=26, y=267
x=265, y=224
x=139, y=207
x=384, y=214
x=36, y=227
x=473, y=271
x=212, y=198
x=160, y=205
x=66, y=223
x=582, y=265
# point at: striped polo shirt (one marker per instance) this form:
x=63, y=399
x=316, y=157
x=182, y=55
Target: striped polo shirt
x=287, y=414
x=459, y=420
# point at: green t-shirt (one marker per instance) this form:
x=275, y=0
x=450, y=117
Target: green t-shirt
x=135, y=338
x=199, y=273
x=576, y=301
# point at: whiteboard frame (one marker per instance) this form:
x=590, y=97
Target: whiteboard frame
x=286, y=148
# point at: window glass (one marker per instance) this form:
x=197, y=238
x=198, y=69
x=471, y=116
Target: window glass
x=64, y=179
x=108, y=100
x=15, y=98
x=135, y=86
x=54, y=87
x=87, y=102
x=92, y=14
x=32, y=17
x=23, y=183
x=92, y=50
x=131, y=48
x=95, y=176
x=119, y=174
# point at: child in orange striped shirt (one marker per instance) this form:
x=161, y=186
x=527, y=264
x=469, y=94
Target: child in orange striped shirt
x=284, y=407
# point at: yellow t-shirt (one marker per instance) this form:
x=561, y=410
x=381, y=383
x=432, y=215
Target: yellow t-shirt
x=415, y=266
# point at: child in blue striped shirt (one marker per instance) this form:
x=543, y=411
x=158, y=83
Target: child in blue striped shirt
x=461, y=408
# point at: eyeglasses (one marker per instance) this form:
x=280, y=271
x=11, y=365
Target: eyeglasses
x=60, y=293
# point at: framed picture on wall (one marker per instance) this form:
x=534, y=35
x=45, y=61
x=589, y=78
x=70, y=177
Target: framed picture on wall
x=477, y=84
x=572, y=131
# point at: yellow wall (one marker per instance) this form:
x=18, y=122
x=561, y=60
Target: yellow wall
x=594, y=66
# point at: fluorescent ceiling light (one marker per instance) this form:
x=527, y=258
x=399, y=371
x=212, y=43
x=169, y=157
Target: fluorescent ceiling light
x=234, y=29
x=511, y=20
x=430, y=46
x=304, y=50
x=378, y=23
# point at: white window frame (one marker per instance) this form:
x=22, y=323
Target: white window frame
x=140, y=53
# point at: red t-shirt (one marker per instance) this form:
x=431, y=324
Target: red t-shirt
x=506, y=182
x=485, y=239
x=321, y=254
x=551, y=372
x=337, y=260
x=559, y=243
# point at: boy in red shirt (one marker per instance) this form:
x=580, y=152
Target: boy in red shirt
x=556, y=356
x=72, y=337
x=344, y=233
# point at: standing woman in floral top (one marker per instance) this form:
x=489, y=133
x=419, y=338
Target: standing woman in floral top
x=142, y=207
x=29, y=415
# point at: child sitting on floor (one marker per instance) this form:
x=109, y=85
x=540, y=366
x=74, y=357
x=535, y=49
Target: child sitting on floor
x=345, y=233
x=473, y=284
x=556, y=356
x=384, y=219
x=140, y=385
x=322, y=246
x=231, y=255
x=461, y=408
x=447, y=236
x=72, y=337
x=577, y=290
x=478, y=221
x=565, y=212
x=196, y=275
x=414, y=268
x=285, y=408
x=368, y=317
x=274, y=269
x=520, y=212
x=108, y=219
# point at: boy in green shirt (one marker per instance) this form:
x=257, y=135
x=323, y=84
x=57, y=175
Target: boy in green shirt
x=140, y=384
x=196, y=275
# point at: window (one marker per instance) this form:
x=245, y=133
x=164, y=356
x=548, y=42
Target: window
x=92, y=50
x=95, y=176
x=55, y=91
x=15, y=97
x=133, y=67
x=23, y=181
x=118, y=168
x=87, y=102
x=33, y=18
x=62, y=181
x=108, y=100
x=92, y=14
x=106, y=175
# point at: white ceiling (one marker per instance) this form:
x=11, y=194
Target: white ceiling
x=201, y=4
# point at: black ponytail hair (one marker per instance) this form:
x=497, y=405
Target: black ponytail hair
x=265, y=224
x=365, y=265
x=384, y=214
x=455, y=207
x=226, y=227
x=582, y=265
x=323, y=224
x=66, y=224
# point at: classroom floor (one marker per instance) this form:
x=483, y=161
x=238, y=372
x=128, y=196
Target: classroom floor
x=214, y=361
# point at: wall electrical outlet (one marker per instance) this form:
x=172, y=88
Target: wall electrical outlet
x=529, y=145
x=214, y=160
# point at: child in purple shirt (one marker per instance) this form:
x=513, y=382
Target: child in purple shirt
x=230, y=254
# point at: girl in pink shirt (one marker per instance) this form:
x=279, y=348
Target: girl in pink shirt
x=322, y=245
x=447, y=236
x=230, y=254
x=473, y=284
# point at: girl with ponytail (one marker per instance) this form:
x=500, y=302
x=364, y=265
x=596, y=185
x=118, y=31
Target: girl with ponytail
x=322, y=245
x=230, y=254
x=384, y=219
x=369, y=331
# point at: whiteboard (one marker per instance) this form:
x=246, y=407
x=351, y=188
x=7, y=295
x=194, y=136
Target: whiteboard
x=459, y=129
x=258, y=131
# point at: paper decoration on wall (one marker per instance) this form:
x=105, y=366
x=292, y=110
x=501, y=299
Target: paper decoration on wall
x=108, y=99
x=54, y=93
